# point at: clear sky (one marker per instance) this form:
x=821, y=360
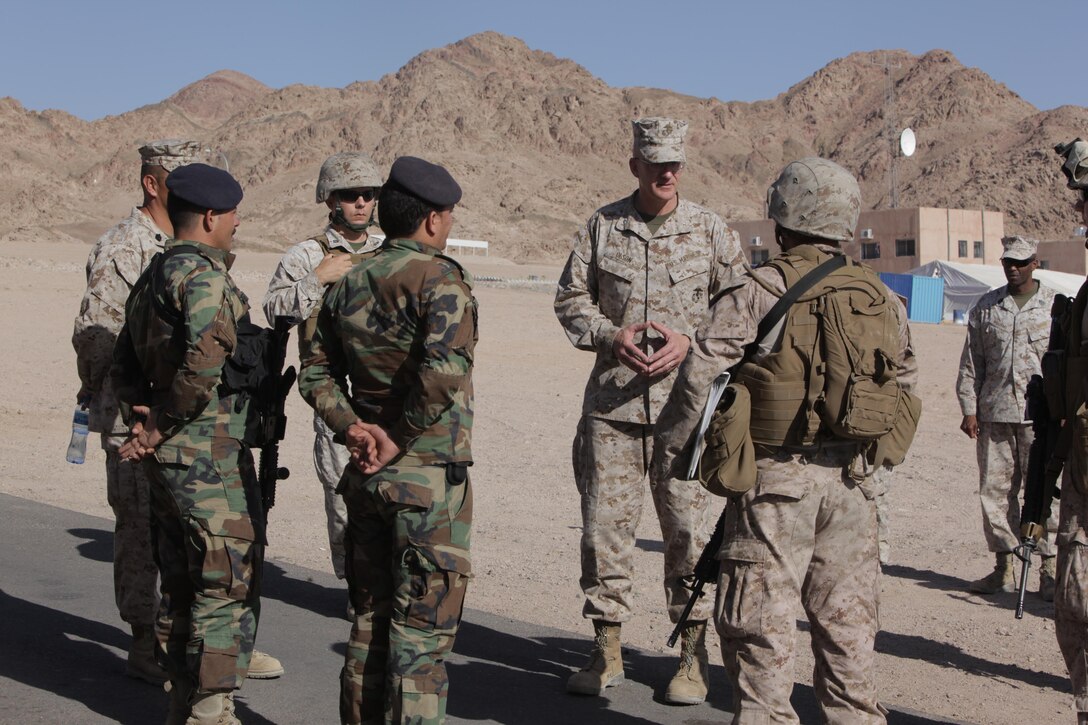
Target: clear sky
x=98, y=58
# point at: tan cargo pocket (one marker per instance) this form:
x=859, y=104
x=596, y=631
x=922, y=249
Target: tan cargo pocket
x=1072, y=585
x=741, y=588
x=614, y=290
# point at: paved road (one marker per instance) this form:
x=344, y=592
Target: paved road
x=63, y=648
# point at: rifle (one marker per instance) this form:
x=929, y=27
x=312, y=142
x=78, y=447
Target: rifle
x=706, y=569
x=271, y=416
x=1046, y=457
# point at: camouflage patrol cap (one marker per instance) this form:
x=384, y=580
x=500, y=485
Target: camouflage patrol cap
x=347, y=170
x=659, y=140
x=1075, y=167
x=816, y=197
x=170, y=153
x=1017, y=247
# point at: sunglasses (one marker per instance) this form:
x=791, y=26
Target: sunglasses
x=348, y=196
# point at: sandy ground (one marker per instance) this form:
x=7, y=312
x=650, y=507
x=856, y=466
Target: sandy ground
x=942, y=650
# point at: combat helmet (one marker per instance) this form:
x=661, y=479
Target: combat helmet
x=347, y=170
x=816, y=197
x=1075, y=167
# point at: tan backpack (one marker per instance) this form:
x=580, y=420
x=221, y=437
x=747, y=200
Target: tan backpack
x=834, y=374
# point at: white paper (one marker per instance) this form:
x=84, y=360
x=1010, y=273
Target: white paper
x=717, y=389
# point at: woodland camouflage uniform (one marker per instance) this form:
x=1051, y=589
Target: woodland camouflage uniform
x=394, y=346
x=205, y=504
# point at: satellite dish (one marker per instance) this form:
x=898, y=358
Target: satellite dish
x=907, y=142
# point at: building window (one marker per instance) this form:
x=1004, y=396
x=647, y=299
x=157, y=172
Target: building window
x=904, y=247
x=759, y=256
x=1044, y=264
x=963, y=248
x=978, y=250
x=870, y=250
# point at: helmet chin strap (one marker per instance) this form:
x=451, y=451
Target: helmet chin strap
x=336, y=216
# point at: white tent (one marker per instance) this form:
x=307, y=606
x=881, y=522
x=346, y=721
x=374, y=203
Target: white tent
x=965, y=283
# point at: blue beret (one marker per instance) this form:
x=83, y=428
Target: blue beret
x=205, y=186
x=426, y=181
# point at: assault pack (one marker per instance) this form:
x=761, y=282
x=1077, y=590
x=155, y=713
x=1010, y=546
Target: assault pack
x=833, y=375
x=834, y=372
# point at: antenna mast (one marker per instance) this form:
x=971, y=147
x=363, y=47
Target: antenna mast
x=891, y=124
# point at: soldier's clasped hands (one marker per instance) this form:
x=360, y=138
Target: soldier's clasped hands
x=370, y=446
x=662, y=362
x=143, y=438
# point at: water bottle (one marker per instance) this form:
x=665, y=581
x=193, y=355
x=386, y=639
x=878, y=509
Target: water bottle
x=77, y=448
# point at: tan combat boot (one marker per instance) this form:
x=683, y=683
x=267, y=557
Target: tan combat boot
x=212, y=708
x=999, y=580
x=263, y=666
x=1046, y=579
x=605, y=667
x=179, y=692
x=689, y=685
x=141, y=664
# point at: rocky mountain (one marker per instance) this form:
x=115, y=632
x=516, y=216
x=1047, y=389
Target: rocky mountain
x=538, y=143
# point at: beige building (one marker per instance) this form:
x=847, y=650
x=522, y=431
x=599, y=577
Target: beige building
x=1064, y=256
x=899, y=240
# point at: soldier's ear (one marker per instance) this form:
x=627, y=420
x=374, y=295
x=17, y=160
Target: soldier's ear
x=431, y=222
x=152, y=188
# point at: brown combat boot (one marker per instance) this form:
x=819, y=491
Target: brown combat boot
x=690, y=683
x=1046, y=579
x=605, y=667
x=212, y=708
x=263, y=666
x=141, y=664
x=999, y=580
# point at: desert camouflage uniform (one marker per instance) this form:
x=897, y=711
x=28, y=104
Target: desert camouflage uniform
x=881, y=486
x=1003, y=349
x=1071, y=593
x=401, y=329
x=295, y=292
x=205, y=505
x=619, y=274
x=806, y=533
x=114, y=265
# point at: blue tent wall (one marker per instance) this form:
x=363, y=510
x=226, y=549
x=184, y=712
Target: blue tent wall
x=924, y=295
x=927, y=299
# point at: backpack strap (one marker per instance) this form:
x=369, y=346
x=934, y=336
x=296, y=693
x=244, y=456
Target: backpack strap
x=794, y=292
